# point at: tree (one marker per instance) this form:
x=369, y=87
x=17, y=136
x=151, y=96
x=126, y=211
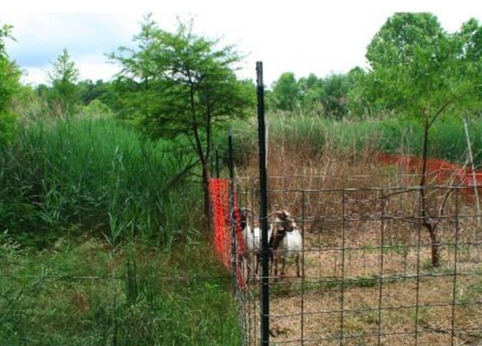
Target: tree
x=64, y=92
x=183, y=85
x=312, y=93
x=286, y=92
x=336, y=91
x=139, y=83
x=357, y=105
x=90, y=91
x=469, y=40
x=418, y=69
x=9, y=86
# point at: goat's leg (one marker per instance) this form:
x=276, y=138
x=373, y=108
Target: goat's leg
x=275, y=265
x=271, y=264
x=271, y=258
x=298, y=272
x=243, y=261
x=283, y=266
x=257, y=259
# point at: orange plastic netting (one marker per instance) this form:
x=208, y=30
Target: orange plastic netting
x=219, y=192
x=442, y=171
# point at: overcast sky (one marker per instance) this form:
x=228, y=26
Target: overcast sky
x=303, y=37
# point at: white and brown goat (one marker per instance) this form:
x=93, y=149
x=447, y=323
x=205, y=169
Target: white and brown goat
x=283, y=223
x=286, y=242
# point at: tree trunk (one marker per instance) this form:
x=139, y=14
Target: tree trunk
x=427, y=221
x=205, y=186
x=434, y=245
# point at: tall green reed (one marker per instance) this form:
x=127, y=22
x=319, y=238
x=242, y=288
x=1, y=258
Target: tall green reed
x=92, y=175
x=80, y=293
x=313, y=135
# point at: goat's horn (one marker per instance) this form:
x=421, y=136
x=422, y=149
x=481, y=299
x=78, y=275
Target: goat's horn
x=282, y=214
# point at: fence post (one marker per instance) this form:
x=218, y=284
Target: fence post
x=231, y=207
x=263, y=207
x=472, y=167
x=217, y=160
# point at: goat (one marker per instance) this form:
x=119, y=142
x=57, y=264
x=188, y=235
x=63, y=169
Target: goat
x=287, y=243
x=252, y=236
x=252, y=241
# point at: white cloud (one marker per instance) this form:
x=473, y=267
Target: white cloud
x=94, y=67
x=34, y=75
x=302, y=37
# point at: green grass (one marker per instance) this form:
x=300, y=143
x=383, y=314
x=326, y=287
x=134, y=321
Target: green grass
x=85, y=293
x=101, y=244
x=100, y=241
x=92, y=175
x=391, y=134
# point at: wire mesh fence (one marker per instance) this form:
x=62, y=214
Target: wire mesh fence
x=399, y=264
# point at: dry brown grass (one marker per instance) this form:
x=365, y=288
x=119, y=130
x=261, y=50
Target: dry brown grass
x=367, y=273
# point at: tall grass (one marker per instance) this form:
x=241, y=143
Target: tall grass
x=312, y=135
x=323, y=171
x=100, y=242
x=92, y=175
x=82, y=294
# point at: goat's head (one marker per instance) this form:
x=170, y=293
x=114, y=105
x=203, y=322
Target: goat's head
x=243, y=217
x=284, y=221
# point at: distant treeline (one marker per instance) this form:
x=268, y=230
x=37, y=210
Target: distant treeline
x=416, y=68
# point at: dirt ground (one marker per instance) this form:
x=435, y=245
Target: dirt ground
x=354, y=291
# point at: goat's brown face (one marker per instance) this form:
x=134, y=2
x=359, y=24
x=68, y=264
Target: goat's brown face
x=286, y=222
x=290, y=224
x=282, y=215
x=243, y=217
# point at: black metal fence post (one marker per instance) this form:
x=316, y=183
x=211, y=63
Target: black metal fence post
x=231, y=207
x=263, y=207
x=217, y=161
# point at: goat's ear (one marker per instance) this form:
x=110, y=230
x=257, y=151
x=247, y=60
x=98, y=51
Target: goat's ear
x=242, y=214
x=246, y=211
x=283, y=214
x=280, y=214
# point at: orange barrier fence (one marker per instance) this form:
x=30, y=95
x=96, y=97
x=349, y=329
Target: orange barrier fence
x=219, y=192
x=443, y=172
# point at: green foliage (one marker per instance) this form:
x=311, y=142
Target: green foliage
x=402, y=37
x=419, y=70
x=100, y=90
x=9, y=82
x=7, y=127
x=97, y=108
x=397, y=135
x=416, y=69
x=28, y=105
x=9, y=86
x=312, y=94
x=336, y=90
x=357, y=105
x=326, y=97
x=91, y=175
x=471, y=37
x=64, y=93
x=86, y=293
x=286, y=92
x=182, y=85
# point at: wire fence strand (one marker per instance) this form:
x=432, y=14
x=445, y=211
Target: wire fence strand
x=368, y=270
